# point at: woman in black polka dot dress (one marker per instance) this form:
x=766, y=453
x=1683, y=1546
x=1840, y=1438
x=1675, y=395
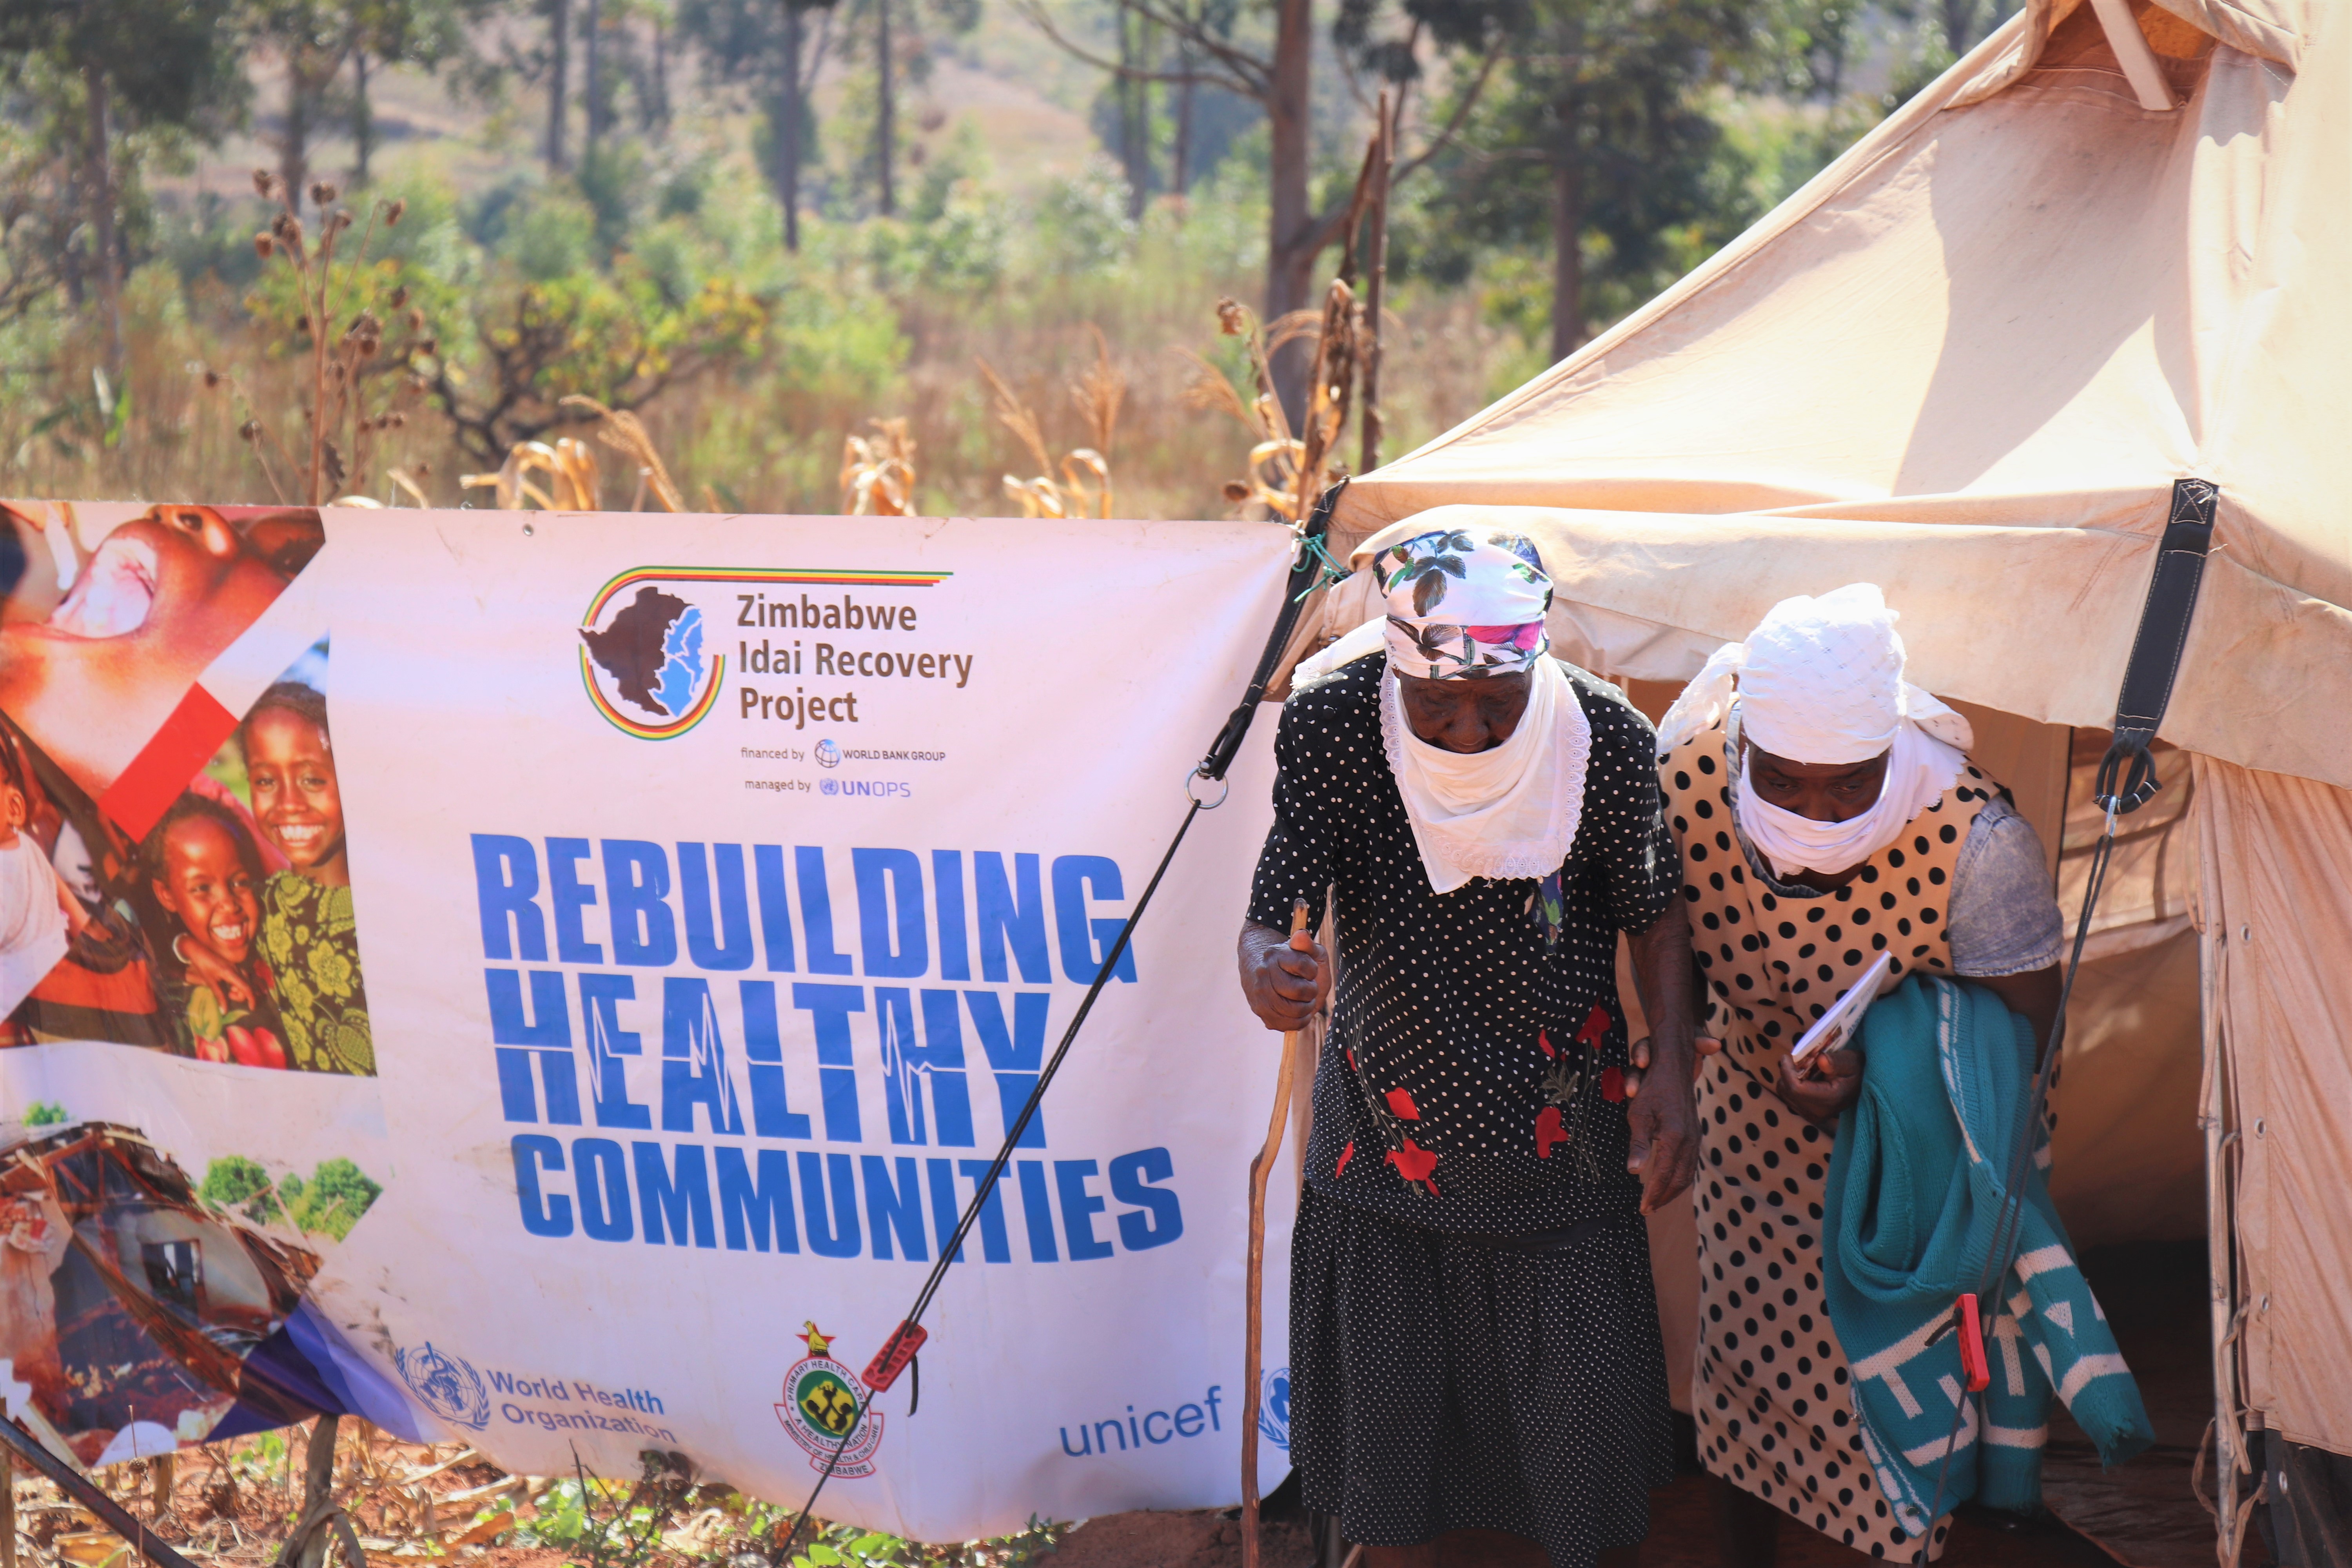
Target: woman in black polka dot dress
x=1474, y=1338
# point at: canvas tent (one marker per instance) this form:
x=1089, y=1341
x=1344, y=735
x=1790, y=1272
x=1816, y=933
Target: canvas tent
x=1968, y=361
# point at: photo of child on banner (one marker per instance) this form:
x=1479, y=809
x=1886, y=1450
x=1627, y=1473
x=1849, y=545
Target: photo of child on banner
x=201, y=894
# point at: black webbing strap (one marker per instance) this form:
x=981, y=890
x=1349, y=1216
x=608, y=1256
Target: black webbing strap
x=2139, y=709
x=1303, y=573
x=2127, y=776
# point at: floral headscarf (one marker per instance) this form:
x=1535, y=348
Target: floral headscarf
x=1464, y=604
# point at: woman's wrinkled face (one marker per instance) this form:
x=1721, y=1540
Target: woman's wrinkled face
x=1466, y=715
x=207, y=885
x=1820, y=791
x=290, y=768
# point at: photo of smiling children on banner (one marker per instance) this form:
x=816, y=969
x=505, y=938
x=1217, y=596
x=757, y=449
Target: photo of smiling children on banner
x=249, y=897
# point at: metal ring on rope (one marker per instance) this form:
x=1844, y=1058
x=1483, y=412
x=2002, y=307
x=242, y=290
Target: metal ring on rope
x=1194, y=772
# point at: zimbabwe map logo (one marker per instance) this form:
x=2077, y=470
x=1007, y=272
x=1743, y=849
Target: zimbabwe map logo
x=820, y=1401
x=649, y=653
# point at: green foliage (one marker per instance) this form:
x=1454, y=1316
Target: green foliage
x=330, y=1203
x=45, y=1113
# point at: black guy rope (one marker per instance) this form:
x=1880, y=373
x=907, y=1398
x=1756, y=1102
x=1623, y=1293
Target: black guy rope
x=1308, y=570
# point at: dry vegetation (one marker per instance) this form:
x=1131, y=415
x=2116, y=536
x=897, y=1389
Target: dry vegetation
x=241, y=1503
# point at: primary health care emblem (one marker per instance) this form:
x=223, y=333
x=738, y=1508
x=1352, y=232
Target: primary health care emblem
x=820, y=1401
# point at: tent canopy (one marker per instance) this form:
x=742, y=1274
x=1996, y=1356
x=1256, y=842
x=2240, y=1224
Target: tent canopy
x=1978, y=349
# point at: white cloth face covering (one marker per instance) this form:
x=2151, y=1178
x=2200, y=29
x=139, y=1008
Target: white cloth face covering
x=1919, y=769
x=1508, y=812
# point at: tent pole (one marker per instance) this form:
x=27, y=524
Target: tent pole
x=2230, y=1457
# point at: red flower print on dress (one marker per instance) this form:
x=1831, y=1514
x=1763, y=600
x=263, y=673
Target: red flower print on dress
x=1543, y=1040
x=1612, y=1084
x=1401, y=1104
x=1345, y=1155
x=1415, y=1165
x=1549, y=1131
x=1596, y=1026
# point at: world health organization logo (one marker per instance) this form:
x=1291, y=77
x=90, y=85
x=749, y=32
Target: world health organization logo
x=446, y=1384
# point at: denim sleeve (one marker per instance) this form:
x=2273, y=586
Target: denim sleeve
x=2004, y=918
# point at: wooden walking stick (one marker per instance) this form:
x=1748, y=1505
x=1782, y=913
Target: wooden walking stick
x=1260, y=1168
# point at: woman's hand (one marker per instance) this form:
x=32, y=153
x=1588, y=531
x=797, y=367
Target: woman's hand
x=1283, y=986
x=1822, y=1099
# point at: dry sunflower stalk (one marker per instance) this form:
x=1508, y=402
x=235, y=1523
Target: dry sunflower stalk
x=878, y=471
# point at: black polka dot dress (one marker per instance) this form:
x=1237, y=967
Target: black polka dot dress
x=1474, y=1336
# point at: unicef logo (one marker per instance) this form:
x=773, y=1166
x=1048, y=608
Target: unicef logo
x=1274, y=1408
x=828, y=755
x=642, y=659
x=446, y=1384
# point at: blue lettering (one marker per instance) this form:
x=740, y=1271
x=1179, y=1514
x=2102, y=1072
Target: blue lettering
x=816, y=914
x=1004, y=917
x=1073, y=875
x=888, y=878
x=763, y=1052
x=1036, y=1211
x=775, y=913
x=906, y=1065
x=895, y=1206
x=993, y=1243
x=608, y=1044
x=543, y=1214
x=636, y=883
x=1085, y=1442
x=1157, y=1219
x=550, y=1040
x=569, y=895
x=756, y=1208
x=829, y=1006
x=1078, y=1208
x=947, y=879
x=675, y=1199
x=1155, y=1415
x=506, y=881
x=1190, y=1412
x=702, y=944
x=837, y=1237
x=1015, y=1056
x=601, y=1172
x=694, y=1060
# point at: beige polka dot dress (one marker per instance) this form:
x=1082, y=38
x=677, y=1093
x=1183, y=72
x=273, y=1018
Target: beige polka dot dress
x=1770, y=1389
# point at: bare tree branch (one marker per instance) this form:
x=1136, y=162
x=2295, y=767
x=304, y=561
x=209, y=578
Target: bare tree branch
x=1251, y=77
x=1454, y=121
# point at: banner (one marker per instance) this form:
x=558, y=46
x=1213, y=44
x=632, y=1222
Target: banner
x=553, y=981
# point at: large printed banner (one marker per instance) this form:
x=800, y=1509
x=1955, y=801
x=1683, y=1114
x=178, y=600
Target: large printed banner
x=554, y=981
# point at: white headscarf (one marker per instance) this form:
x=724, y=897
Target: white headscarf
x=1468, y=604
x=1821, y=680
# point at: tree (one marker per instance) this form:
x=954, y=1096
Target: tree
x=311, y=37
x=1600, y=147
x=383, y=32
x=766, y=42
x=109, y=67
x=1281, y=82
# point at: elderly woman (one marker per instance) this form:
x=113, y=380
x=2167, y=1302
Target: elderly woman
x=1476, y=1374
x=1827, y=814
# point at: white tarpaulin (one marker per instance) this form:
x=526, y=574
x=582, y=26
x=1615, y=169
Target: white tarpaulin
x=720, y=886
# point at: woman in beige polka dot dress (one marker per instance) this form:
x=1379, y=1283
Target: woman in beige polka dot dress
x=1827, y=815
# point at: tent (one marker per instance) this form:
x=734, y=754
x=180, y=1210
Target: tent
x=1968, y=361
